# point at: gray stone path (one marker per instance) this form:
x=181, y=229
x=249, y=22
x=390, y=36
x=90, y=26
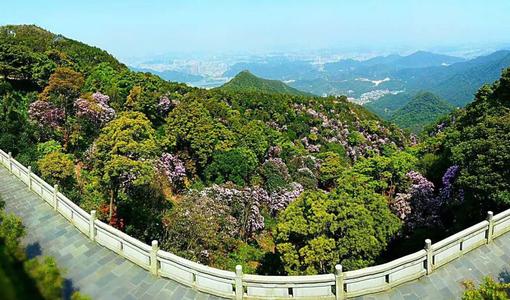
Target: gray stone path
x=446, y=282
x=90, y=268
x=101, y=274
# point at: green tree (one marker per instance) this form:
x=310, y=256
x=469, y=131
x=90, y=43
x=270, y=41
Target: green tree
x=124, y=154
x=62, y=90
x=57, y=168
x=388, y=172
x=191, y=127
x=331, y=169
x=199, y=228
x=47, y=276
x=236, y=165
x=488, y=290
x=351, y=226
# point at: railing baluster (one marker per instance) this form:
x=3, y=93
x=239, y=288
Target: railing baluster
x=339, y=283
x=490, y=230
x=430, y=255
x=154, y=258
x=239, y=282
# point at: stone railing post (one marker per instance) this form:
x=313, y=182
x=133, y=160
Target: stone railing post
x=428, y=248
x=490, y=230
x=154, y=258
x=29, y=178
x=55, y=197
x=239, y=282
x=339, y=283
x=10, y=162
x=92, y=228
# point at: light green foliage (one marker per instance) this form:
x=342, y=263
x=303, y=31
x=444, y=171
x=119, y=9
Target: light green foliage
x=124, y=151
x=47, y=147
x=11, y=231
x=100, y=80
x=355, y=138
x=388, y=172
x=47, y=276
x=57, y=168
x=351, y=226
x=255, y=136
x=488, y=290
x=236, y=165
x=79, y=296
x=331, y=169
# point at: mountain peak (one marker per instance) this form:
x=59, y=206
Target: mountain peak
x=247, y=81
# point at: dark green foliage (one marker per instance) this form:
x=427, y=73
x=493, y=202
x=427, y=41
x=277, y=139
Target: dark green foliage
x=60, y=49
x=423, y=109
x=236, y=165
x=479, y=144
x=247, y=82
x=275, y=174
x=476, y=139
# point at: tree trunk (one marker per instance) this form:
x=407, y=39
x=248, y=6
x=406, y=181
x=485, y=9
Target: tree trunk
x=112, y=198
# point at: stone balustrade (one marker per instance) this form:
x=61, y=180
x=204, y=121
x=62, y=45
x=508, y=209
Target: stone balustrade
x=236, y=285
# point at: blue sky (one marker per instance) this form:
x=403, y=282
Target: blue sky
x=139, y=28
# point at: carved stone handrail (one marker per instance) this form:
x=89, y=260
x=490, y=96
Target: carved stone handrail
x=236, y=285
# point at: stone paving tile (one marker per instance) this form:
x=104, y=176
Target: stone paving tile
x=91, y=268
x=101, y=274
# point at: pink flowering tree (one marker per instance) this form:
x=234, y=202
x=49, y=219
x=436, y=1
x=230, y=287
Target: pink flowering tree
x=95, y=109
x=46, y=114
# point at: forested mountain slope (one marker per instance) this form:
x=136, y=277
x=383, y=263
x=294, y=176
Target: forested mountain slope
x=247, y=82
x=424, y=109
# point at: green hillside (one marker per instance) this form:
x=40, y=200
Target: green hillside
x=29, y=53
x=246, y=82
x=387, y=105
x=423, y=109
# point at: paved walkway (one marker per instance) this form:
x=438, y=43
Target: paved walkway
x=101, y=274
x=90, y=268
x=446, y=282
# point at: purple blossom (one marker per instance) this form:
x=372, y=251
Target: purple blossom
x=245, y=205
x=279, y=200
x=425, y=206
x=173, y=168
x=448, y=179
x=95, y=108
x=401, y=205
x=46, y=114
x=164, y=105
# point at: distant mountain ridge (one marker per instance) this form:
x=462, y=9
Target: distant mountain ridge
x=171, y=75
x=246, y=81
x=453, y=78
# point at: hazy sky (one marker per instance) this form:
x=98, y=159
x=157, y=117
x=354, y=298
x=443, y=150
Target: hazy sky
x=144, y=27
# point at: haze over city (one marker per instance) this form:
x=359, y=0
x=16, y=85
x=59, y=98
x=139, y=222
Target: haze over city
x=133, y=29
